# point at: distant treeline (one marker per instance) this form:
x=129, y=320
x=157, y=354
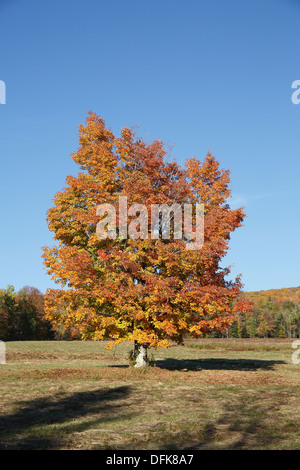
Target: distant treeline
x=275, y=314
x=21, y=315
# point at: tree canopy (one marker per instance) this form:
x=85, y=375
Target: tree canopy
x=151, y=291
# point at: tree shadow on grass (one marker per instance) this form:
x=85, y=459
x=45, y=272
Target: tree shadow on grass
x=216, y=364
x=242, y=425
x=119, y=366
x=33, y=425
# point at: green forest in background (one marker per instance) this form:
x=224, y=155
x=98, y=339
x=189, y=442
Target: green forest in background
x=275, y=314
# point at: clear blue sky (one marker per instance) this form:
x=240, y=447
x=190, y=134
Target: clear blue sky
x=198, y=74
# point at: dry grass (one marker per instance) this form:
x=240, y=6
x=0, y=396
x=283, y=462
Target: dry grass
x=210, y=394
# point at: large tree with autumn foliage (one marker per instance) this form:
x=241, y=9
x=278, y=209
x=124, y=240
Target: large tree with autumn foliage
x=147, y=291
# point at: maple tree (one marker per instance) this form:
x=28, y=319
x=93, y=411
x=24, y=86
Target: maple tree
x=148, y=291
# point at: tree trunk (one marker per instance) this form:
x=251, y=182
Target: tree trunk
x=140, y=354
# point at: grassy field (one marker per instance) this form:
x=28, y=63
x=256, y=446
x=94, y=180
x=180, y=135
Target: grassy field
x=208, y=394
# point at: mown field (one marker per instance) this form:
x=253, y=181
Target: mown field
x=208, y=394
